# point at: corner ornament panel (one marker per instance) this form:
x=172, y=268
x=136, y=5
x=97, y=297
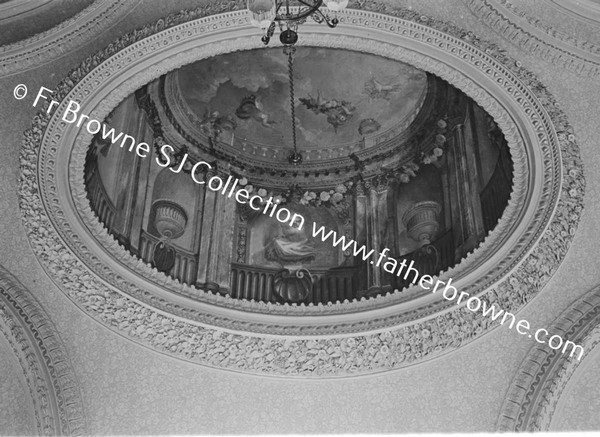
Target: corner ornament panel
x=533, y=36
x=49, y=45
x=533, y=396
x=351, y=338
x=53, y=386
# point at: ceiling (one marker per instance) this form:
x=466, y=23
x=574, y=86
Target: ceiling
x=341, y=96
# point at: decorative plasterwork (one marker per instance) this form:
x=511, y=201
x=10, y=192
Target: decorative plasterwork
x=531, y=35
x=53, y=386
x=545, y=184
x=70, y=34
x=12, y=9
x=537, y=386
x=517, y=258
x=587, y=10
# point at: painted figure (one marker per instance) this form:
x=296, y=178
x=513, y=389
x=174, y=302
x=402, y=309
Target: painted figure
x=251, y=107
x=289, y=245
x=338, y=112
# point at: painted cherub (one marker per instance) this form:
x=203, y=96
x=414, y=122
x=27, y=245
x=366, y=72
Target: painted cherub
x=376, y=90
x=337, y=112
x=252, y=107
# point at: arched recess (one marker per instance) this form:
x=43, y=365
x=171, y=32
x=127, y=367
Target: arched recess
x=533, y=396
x=515, y=261
x=52, y=383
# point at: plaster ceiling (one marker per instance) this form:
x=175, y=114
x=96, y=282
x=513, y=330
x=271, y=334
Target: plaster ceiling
x=67, y=259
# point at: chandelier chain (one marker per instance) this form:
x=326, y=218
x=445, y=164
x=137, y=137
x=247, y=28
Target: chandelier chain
x=292, y=98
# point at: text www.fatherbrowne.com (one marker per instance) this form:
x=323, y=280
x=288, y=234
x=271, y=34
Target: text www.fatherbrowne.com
x=449, y=292
x=271, y=208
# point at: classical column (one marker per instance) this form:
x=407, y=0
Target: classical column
x=207, y=240
x=361, y=233
x=463, y=188
x=372, y=214
x=216, y=239
x=138, y=186
x=127, y=118
x=222, y=248
x=381, y=230
x=474, y=174
x=372, y=234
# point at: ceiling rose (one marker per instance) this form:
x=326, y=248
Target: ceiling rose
x=289, y=14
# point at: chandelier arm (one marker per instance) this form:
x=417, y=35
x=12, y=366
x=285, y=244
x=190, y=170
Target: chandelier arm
x=308, y=4
x=324, y=18
x=312, y=9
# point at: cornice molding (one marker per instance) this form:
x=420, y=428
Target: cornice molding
x=53, y=386
x=70, y=34
x=63, y=229
x=531, y=400
x=531, y=35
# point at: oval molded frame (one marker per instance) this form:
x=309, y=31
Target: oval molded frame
x=516, y=259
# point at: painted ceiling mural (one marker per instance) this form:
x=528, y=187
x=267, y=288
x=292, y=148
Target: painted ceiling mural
x=336, y=102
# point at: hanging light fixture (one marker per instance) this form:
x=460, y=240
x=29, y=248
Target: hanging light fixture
x=295, y=157
x=289, y=14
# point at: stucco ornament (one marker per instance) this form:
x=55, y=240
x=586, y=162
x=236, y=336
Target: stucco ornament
x=48, y=372
x=67, y=36
x=259, y=338
x=533, y=35
x=533, y=396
